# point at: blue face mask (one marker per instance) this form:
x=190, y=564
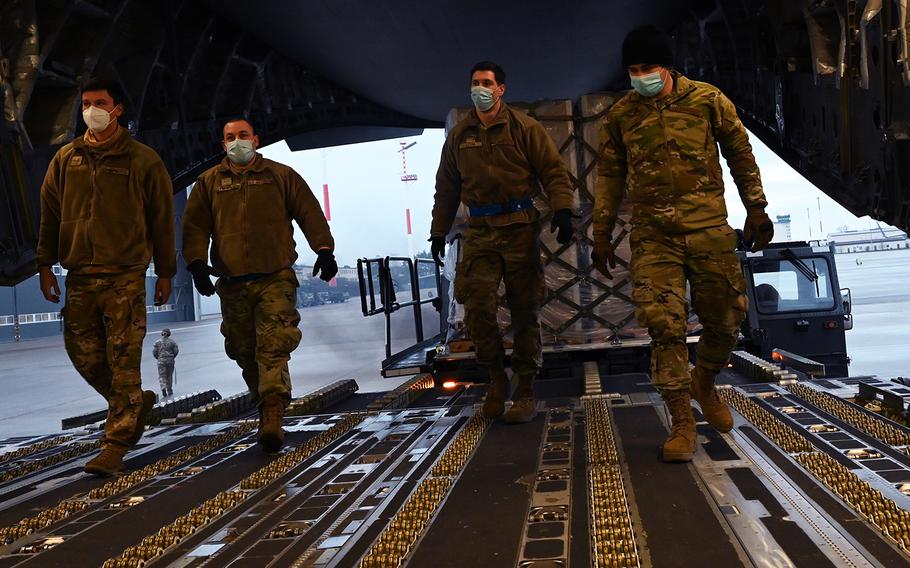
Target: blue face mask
x=648, y=85
x=482, y=97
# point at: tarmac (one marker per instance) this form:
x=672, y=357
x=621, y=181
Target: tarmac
x=880, y=285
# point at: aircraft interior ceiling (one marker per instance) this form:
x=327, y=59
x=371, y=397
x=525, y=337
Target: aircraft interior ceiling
x=824, y=84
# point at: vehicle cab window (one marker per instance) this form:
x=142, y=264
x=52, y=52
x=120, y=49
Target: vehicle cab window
x=781, y=286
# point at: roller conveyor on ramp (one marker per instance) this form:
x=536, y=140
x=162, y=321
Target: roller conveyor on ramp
x=417, y=477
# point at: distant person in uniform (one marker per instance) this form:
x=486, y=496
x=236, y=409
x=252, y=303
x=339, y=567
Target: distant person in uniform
x=165, y=352
x=495, y=161
x=106, y=211
x=245, y=206
x=659, y=148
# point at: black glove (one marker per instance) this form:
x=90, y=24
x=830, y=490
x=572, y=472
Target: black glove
x=562, y=220
x=438, y=249
x=201, y=273
x=603, y=256
x=325, y=263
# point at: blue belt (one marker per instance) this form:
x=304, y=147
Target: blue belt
x=512, y=206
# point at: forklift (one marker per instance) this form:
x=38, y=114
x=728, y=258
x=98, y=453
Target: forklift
x=796, y=305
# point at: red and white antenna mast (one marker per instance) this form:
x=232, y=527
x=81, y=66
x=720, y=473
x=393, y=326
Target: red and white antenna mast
x=407, y=178
x=326, y=205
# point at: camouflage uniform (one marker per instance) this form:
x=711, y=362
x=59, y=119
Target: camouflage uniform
x=491, y=255
x=165, y=352
x=106, y=210
x=248, y=215
x=480, y=166
x=103, y=328
x=260, y=329
x=663, y=153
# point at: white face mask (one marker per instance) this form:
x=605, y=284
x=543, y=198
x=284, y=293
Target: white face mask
x=97, y=119
x=240, y=151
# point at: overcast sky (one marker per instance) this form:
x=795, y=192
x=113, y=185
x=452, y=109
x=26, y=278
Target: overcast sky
x=366, y=194
x=368, y=199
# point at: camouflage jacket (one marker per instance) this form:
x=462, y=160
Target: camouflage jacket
x=507, y=160
x=107, y=209
x=663, y=153
x=248, y=215
x=165, y=350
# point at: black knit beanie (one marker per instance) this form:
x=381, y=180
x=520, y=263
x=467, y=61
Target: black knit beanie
x=647, y=45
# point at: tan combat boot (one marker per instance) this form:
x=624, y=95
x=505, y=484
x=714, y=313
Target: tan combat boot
x=108, y=462
x=148, y=401
x=494, y=404
x=523, y=408
x=713, y=408
x=680, y=444
x=271, y=435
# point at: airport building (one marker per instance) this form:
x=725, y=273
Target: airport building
x=867, y=240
